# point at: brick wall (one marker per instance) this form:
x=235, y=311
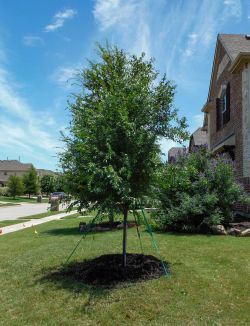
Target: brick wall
x=235, y=123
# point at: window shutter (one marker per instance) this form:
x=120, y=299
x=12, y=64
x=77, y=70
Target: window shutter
x=227, y=113
x=218, y=114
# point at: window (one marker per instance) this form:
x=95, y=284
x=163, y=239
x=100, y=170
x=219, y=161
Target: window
x=223, y=109
x=5, y=173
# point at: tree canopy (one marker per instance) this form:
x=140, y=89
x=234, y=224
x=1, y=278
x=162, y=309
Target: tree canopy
x=31, y=181
x=15, y=186
x=48, y=184
x=117, y=121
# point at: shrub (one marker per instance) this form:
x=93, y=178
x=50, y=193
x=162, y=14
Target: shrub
x=197, y=190
x=15, y=186
x=3, y=191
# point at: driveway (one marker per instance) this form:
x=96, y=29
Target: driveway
x=24, y=209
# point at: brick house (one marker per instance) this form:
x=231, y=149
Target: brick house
x=175, y=152
x=227, y=110
x=14, y=167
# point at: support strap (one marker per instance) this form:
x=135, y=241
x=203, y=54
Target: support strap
x=154, y=242
x=137, y=229
x=88, y=228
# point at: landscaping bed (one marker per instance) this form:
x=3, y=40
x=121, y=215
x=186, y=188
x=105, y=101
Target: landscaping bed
x=107, y=270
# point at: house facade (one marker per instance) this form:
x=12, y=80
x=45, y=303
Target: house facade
x=197, y=139
x=15, y=167
x=174, y=153
x=227, y=110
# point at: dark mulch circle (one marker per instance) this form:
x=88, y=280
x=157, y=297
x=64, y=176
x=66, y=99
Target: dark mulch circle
x=107, y=270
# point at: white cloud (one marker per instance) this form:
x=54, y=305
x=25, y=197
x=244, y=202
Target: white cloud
x=111, y=12
x=23, y=129
x=64, y=76
x=31, y=40
x=59, y=19
x=234, y=7
x=129, y=19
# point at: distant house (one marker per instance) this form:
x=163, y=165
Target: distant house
x=227, y=110
x=197, y=139
x=174, y=153
x=42, y=172
x=15, y=167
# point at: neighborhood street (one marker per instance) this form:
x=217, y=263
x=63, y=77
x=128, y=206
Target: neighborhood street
x=24, y=209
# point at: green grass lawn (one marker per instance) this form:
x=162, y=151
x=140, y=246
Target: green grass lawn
x=28, y=218
x=12, y=222
x=7, y=204
x=41, y=215
x=209, y=283
x=21, y=199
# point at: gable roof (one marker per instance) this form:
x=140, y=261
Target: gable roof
x=174, y=152
x=199, y=137
x=14, y=165
x=234, y=44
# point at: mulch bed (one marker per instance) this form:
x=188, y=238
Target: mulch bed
x=107, y=270
x=108, y=224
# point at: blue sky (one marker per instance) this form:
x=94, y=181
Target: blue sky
x=42, y=44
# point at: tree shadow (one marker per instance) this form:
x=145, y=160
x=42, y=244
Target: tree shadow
x=63, y=231
x=56, y=277
x=74, y=231
x=184, y=234
x=100, y=275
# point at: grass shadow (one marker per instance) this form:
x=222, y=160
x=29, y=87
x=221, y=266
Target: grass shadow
x=56, y=276
x=63, y=231
x=75, y=231
x=100, y=275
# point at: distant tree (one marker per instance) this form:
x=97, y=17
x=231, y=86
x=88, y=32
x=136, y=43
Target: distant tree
x=113, y=150
x=59, y=182
x=31, y=181
x=15, y=186
x=48, y=184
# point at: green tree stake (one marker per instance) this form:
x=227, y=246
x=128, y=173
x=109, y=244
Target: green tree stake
x=154, y=242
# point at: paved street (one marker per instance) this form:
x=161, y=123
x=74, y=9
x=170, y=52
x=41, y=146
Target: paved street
x=33, y=223
x=25, y=209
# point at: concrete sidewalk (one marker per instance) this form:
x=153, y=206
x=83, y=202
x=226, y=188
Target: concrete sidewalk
x=31, y=223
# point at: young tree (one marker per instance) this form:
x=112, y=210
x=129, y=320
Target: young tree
x=15, y=186
x=31, y=181
x=113, y=151
x=59, y=182
x=48, y=184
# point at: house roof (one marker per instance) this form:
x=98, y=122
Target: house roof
x=175, y=151
x=235, y=44
x=199, y=137
x=14, y=165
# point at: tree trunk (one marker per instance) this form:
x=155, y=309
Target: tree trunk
x=124, y=241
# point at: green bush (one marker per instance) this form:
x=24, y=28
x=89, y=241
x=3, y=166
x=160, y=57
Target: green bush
x=3, y=191
x=197, y=190
x=15, y=186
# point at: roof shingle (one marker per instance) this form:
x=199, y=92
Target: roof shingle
x=235, y=44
